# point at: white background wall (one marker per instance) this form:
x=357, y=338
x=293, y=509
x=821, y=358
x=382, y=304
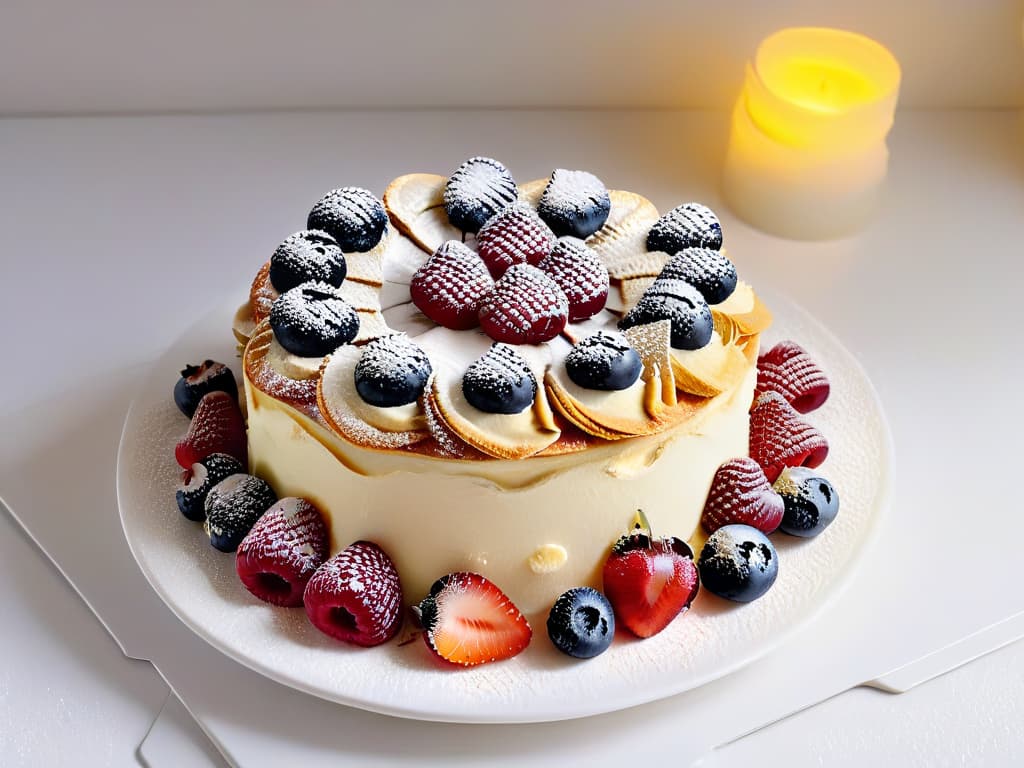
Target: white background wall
x=120, y=55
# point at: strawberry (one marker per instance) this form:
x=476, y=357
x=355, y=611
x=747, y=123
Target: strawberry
x=578, y=271
x=515, y=236
x=788, y=369
x=740, y=493
x=448, y=288
x=524, y=307
x=282, y=551
x=217, y=427
x=356, y=596
x=468, y=620
x=779, y=438
x=649, y=581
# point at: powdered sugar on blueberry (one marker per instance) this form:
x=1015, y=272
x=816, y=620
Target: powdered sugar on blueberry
x=574, y=203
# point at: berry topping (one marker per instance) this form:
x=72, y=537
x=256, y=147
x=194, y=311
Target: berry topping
x=525, y=306
x=233, y=506
x=391, y=371
x=313, y=320
x=682, y=305
x=738, y=563
x=499, y=382
x=581, y=623
x=277, y=558
x=217, y=427
x=356, y=596
x=477, y=190
x=304, y=256
x=788, y=369
x=353, y=216
x=197, y=481
x=603, y=361
x=710, y=272
x=649, y=581
x=468, y=620
x=515, y=236
x=578, y=271
x=449, y=287
x=780, y=438
x=198, y=380
x=574, y=203
x=810, y=500
x=690, y=225
x=740, y=493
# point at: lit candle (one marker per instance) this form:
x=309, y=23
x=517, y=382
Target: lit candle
x=807, y=155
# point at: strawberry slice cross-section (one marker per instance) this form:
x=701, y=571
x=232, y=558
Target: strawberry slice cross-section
x=468, y=620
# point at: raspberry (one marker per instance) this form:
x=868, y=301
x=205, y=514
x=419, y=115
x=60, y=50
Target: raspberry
x=515, y=236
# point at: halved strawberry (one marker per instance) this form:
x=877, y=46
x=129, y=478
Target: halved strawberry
x=788, y=369
x=449, y=287
x=581, y=276
x=524, y=307
x=277, y=558
x=468, y=620
x=780, y=438
x=517, y=235
x=356, y=596
x=740, y=493
x=217, y=427
x=649, y=581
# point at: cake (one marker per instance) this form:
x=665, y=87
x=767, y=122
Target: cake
x=531, y=500
x=470, y=387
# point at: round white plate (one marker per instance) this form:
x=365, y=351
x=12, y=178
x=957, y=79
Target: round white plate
x=715, y=637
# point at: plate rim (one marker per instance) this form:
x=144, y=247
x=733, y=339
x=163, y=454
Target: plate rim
x=472, y=712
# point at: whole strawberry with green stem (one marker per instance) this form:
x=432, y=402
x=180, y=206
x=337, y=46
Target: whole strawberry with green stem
x=649, y=581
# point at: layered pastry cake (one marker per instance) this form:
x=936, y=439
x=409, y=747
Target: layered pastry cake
x=474, y=402
x=490, y=378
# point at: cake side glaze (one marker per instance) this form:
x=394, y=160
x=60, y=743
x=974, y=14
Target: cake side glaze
x=438, y=515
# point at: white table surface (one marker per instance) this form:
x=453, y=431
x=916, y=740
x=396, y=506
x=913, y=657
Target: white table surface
x=127, y=226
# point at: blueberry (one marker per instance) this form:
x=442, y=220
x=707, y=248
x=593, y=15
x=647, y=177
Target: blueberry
x=581, y=623
x=304, y=256
x=391, y=371
x=710, y=272
x=232, y=508
x=690, y=225
x=353, y=216
x=499, y=382
x=199, y=380
x=574, y=203
x=811, y=502
x=313, y=320
x=603, y=361
x=191, y=494
x=679, y=303
x=476, y=191
x=739, y=563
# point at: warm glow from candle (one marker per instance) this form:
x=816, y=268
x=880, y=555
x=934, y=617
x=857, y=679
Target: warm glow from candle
x=823, y=86
x=807, y=155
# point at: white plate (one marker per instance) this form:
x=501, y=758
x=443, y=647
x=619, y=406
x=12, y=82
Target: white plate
x=715, y=637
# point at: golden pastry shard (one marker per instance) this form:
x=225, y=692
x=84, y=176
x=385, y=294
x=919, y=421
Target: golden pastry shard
x=347, y=414
x=530, y=192
x=633, y=289
x=242, y=325
x=710, y=370
x=611, y=415
x=621, y=243
x=415, y=204
x=368, y=267
x=744, y=310
x=503, y=436
x=653, y=342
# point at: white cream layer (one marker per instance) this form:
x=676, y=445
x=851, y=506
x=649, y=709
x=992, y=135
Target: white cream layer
x=434, y=516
